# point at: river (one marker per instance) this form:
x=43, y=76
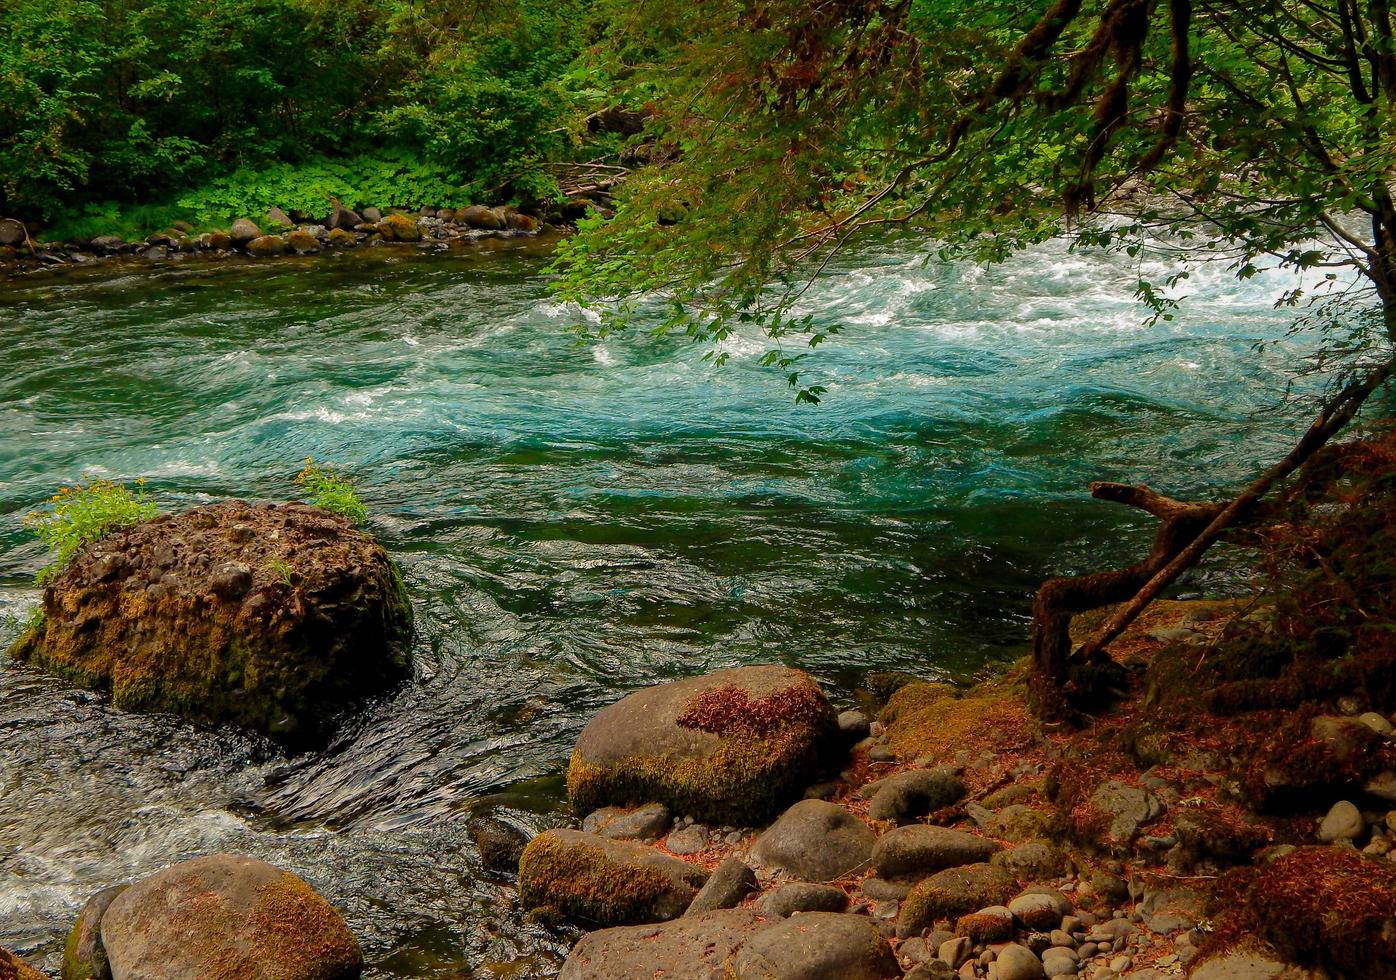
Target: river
x=574, y=522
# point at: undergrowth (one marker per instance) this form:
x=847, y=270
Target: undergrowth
x=84, y=513
x=330, y=491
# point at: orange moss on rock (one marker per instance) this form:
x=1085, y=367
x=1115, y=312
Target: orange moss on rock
x=1329, y=905
x=932, y=722
x=14, y=968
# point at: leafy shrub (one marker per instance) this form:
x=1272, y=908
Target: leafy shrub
x=85, y=513
x=332, y=492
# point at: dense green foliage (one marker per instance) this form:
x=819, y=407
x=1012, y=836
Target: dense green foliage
x=236, y=103
x=84, y=513
x=1256, y=130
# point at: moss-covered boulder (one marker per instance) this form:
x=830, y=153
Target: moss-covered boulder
x=952, y=893
x=272, y=616
x=14, y=968
x=84, y=956
x=224, y=917
x=400, y=228
x=729, y=747
x=604, y=882
x=267, y=246
x=1330, y=906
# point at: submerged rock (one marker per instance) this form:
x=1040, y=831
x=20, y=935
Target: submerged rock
x=605, y=882
x=728, y=747
x=692, y=948
x=272, y=616
x=227, y=916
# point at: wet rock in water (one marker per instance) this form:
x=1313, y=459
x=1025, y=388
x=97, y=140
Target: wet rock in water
x=482, y=218
x=267, y=246
x=920, y=850
x=84, y=956
x=854, y=725
x=643, y=823
x=729, y=747
x=300, y=242
x=227, y=916
x=816, y=841
x=817, y=946
x=951, y=893
x=516, y=221
x=339, y=238
x=499, y=842
x=607, y=882
x=800, y=896
x=275, y=617
x=219, y=241
x=243, y=231
x=1342, y=822
x=909, y=795
x=731, y=882
x=11, y=966
x=400, y=228
x=692, y=948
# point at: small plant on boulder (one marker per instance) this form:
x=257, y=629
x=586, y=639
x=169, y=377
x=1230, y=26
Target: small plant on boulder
x=84, y=513
x=328, y=490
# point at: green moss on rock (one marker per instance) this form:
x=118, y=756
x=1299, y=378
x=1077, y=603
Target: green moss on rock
x=603, y=882
x=273, y=617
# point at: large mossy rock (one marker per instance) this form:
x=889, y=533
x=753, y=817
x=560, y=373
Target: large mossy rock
x=14, y=968
x=1330, y=906
x=272, y=616
x=729, y=747
x=226, y=917
x=605, y=882
x=692, y=948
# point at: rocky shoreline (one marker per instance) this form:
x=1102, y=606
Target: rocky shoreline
x=278, y=234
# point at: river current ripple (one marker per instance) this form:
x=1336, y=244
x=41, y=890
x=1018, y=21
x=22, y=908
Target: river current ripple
x=574, y=523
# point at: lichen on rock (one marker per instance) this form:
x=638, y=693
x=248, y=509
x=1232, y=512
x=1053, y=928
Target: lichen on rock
x=271, y=616
x=728, y=747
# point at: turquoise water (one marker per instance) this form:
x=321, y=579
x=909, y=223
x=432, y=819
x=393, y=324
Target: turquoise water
x=574, y=522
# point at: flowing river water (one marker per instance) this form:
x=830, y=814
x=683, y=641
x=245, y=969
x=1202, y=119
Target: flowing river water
x=574, y=522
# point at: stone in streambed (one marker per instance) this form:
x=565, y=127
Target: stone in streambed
x=608, y=882
x=951, y=893
x=801, y=896
x=399, y=228
x=1342, y=822
x=816, y=946
x=729, y=747
x=1040, y=909
x=907, y=796
x=1016, y=962
x=731, y=882
x=920, y=850
x=643, y=823
x=816, y=841
x=243, y=231
x=275, y=617
x=499, y=842
x=300, y=242
x=227, y=916
x=695, y=947
x=12, y=232
x=84, y=956
x=482, y=218
x=988, y=925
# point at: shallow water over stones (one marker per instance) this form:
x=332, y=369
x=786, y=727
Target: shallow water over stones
x=572, y=524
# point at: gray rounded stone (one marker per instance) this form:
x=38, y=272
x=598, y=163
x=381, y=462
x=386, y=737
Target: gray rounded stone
x=815, y=841
x=1016, y=962
x=802, y=896
x=1343, y=822
x=921, y=850
x=915, y=793
x=817, y=946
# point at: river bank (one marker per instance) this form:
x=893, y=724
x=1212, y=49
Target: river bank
x=573, y=523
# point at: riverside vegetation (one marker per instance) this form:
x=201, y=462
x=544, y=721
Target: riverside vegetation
x=1162, y=788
